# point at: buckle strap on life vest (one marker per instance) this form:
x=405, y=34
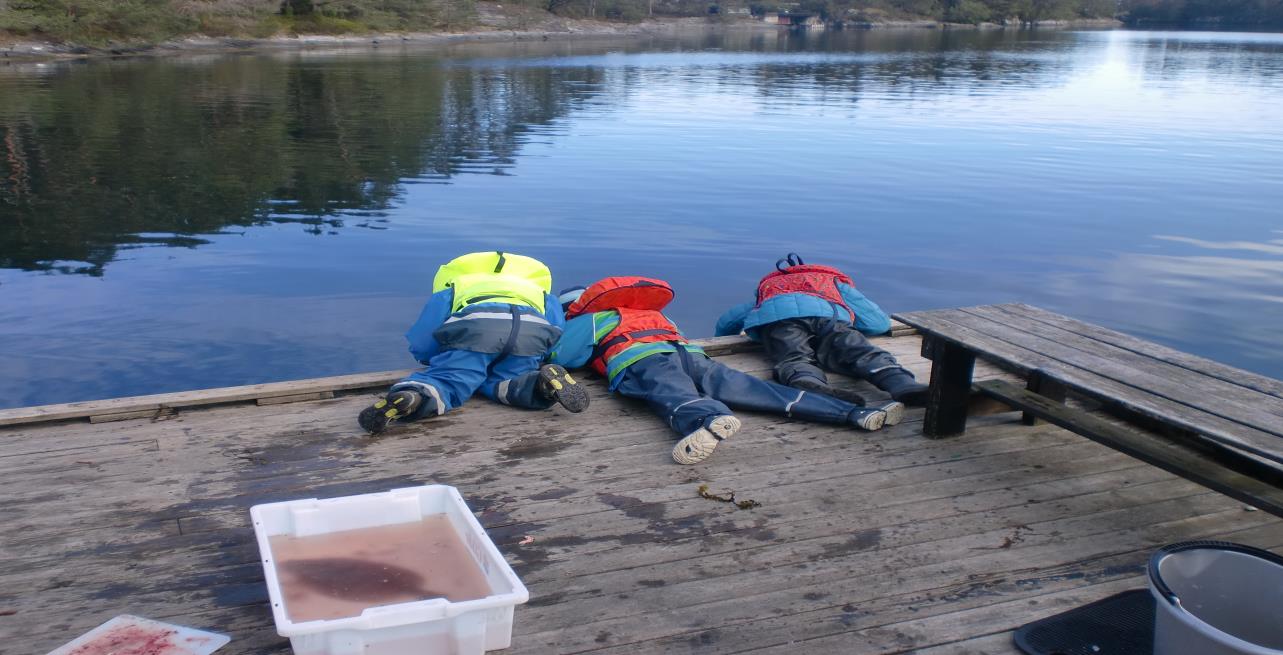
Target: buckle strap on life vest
x=600, y=349
x=512, y=339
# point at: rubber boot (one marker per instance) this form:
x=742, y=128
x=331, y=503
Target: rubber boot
x=807, y=383
x=902, y=386
x=894, y=410
x=555, y=383
x=397, y=405
x=868, y=418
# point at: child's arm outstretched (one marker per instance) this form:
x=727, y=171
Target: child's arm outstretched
x=732, y=322
x=869, y=318
x=422, y=344
x=575, y=347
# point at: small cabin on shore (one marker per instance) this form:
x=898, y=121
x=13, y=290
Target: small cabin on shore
x=787, y=19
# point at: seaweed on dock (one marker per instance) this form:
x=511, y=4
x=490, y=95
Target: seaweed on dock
x=729, y=498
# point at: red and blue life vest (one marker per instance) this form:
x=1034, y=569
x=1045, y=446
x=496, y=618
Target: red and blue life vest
x=639, y=301
x=811, y=279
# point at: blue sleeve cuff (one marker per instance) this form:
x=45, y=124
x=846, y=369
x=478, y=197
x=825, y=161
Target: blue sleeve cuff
x=732, y=322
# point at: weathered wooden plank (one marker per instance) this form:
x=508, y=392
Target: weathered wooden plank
x=295, y=398
x=905, y=636
x=902, y=534
x=1216, y=395
x=832, y=534
x=1102, y=388
x=898, y=527
x=754, y=616
x=715, y=346
x=1225, y=474
x=908, y=531
x=824, y=536
x=995, y=644
x=1194, y=363
x=66, y=411
x=1144, y=383
x=539, y=508
x=124, y=416
x=899, y=329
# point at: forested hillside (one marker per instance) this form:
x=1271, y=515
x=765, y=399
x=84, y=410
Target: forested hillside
x=1206, y=13
x=98, y=22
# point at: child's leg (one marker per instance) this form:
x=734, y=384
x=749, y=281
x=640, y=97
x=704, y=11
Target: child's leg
x=513, y=381
x=450, y=378
x=789, y=343
x=846, y=351
x=661, y=381
x=743, y=391
x=527, y=382
x=790, y=346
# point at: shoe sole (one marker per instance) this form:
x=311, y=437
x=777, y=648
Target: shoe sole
x=565, y=390
x=725, y=426
x=894, y=411
x=874, y=421
x=375, y=419
x=720, y=429
x=379, y=416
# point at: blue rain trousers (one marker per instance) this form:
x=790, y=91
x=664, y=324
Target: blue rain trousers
x=688, y=390
x=452, y=376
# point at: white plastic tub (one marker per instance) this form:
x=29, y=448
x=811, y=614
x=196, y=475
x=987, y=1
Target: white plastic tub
x=427, y=627
x=1217, y=598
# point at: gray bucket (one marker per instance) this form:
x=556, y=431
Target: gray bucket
x=1217, y=598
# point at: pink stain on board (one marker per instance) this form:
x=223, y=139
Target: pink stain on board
x=133, y=640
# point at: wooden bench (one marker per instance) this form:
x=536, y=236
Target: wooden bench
x=1208, y=422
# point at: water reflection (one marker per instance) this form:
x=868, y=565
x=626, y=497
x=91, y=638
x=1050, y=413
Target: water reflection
x=1191, y=295
x=234, y=219
x=113, y=155
x=95, y=155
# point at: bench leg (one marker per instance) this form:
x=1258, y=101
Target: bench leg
x=1047, y=388
x=951, y=370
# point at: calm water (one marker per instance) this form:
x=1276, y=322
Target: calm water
x=209, y=221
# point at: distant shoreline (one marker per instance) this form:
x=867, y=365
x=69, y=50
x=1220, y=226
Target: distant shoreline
x=566, y=29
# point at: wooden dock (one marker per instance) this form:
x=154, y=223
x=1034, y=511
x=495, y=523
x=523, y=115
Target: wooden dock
x=882, y=542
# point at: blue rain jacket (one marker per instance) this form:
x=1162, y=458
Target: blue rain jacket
x=869, y=318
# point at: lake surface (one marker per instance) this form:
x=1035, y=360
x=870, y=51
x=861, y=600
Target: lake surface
x=203, y=221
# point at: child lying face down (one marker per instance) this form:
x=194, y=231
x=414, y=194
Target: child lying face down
x=616, y=326
x=810, y=319
x=488, y=327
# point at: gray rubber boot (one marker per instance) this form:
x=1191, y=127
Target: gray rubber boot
x=868, y=419
x=902, y=386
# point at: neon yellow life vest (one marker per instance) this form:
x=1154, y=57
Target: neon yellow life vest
x=495, y=277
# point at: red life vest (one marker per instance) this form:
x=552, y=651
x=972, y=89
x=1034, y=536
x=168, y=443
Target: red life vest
x=811, y=279
x=638, y=301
